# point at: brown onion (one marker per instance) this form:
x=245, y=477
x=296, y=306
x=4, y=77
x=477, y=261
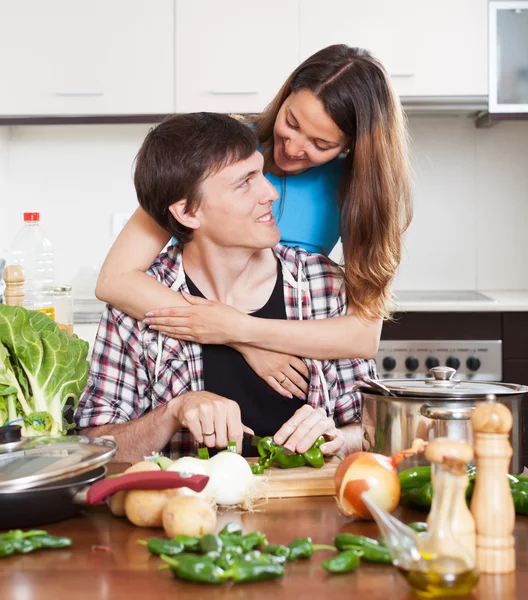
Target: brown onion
x=378, y=474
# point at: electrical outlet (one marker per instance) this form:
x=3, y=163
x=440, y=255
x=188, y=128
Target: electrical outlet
x=118, y=222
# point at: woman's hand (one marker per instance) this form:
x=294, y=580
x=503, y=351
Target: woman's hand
x=287, y=375
x=300, y=432
x=202, y=321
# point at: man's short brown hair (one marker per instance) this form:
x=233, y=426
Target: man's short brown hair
x=179, y=154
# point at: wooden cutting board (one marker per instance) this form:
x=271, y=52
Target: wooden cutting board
x=303, y=481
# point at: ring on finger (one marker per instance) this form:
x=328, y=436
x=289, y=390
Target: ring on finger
x=283, y=378
x=208, y=434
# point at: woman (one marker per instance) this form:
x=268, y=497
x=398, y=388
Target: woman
x=335, y=146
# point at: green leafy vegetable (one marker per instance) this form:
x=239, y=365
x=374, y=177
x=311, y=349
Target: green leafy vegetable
x=41, y=367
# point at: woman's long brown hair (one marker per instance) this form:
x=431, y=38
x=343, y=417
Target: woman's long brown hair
x=375, y=188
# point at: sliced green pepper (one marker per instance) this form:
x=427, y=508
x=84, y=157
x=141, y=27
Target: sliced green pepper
x=287, y=460
x=344, y=562
x=163, y=462
x=257, y=469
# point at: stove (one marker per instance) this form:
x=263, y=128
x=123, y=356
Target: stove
x=479, y=360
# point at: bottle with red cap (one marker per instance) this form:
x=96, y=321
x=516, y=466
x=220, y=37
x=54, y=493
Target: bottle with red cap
x=33, y=250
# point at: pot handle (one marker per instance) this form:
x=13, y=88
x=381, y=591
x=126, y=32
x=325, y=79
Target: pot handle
x=457, y=413
x=147, y=480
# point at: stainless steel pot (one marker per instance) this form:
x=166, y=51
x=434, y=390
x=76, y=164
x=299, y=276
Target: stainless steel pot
x=438, y=407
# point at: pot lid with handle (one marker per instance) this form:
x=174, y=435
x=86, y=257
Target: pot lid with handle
x=445, y=385
x=30, y=462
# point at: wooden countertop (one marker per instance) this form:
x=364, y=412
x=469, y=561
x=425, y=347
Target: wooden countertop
x=106, y=563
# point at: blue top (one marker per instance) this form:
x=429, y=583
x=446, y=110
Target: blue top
x=307, y=212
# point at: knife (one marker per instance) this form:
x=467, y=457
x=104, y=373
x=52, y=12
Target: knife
x=252, y=440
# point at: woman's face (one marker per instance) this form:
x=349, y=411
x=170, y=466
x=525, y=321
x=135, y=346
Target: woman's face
x=304, y=134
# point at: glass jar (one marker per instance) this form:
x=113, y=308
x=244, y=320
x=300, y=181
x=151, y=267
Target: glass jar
x=63, y=303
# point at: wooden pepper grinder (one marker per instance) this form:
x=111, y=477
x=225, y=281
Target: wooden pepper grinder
x=492, y=503
x=14, y=277
x=462, y=524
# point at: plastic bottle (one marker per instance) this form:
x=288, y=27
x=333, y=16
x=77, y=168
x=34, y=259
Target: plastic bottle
x=32, y=250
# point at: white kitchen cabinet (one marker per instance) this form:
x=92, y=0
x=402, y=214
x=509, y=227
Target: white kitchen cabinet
x=86, y=57
x=233, y=55
x=430, y=47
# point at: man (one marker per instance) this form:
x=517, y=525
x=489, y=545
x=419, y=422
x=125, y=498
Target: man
x=200, y=177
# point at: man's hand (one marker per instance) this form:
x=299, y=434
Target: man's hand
x=202, y=321
x=212, y=420
x=307, y=424
x=285, y=374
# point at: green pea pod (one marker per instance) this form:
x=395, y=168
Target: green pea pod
x=375, y=554
x=252, y=540
x=51, y=542
x=277, y=550
x=344, y=562
x=6, y=548
x=211, y=543
x=196, y=569
x=189, y=543
x=231, y=529
x=418, y=498
x=241, y=571
x=414, y=478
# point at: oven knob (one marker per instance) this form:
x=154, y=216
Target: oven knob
x=432, y=362
x=389, y=363
x=412, y=363
x=473, y=363
x=453, y=363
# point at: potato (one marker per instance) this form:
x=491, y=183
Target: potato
x=117, y=500
x=144, y=507
x=188, y=515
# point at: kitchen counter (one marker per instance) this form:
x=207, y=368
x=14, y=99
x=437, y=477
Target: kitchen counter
x=500, y=301
x=106, y=562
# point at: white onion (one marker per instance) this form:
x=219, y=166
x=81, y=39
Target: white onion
x=190, y=464
x=230, y=478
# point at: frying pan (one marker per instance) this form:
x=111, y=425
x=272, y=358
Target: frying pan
x=43, y=481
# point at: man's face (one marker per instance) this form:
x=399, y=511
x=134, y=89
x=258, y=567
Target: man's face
x=235, y=210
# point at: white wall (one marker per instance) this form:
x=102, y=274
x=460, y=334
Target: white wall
x=471, y=198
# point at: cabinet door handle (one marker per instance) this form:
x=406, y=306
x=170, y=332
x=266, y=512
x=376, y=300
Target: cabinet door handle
x=79, y=93
x=401, y=74
x=227, y=92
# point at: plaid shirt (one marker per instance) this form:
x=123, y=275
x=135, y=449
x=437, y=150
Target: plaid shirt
x=135, y=369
